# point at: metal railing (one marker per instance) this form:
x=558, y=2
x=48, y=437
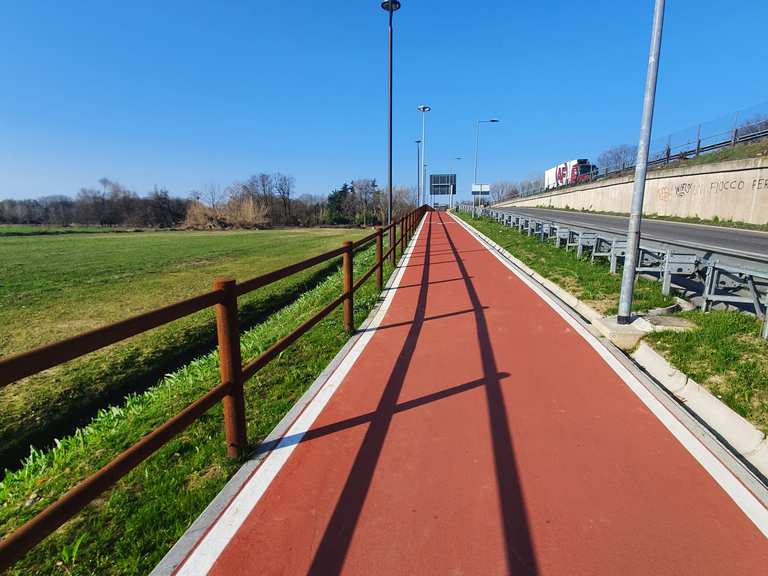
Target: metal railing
x=722, y=273
x=233, y=373
x=741, y=134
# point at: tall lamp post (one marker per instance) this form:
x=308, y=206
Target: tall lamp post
x=477, y=147
x=418, y=172
x=391, y=6
x=423, y=108
x=453, y=191
x=641, y=167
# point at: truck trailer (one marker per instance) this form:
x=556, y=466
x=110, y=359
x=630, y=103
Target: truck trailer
x=569, y=173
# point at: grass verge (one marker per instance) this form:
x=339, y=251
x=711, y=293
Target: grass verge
x=54, y=287
x=129, y=529
x=590, y=282
x=725, y=354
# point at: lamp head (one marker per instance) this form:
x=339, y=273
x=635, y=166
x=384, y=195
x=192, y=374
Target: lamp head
x=423, y=108
x=391, y=5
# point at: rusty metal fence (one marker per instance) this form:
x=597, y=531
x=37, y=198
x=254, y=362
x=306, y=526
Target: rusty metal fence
x=233, y=373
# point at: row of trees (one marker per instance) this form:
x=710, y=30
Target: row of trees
x=362, y=202
x=259, y=201
x=112, y=205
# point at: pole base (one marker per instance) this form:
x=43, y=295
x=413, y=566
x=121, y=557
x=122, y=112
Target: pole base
x=623, y=320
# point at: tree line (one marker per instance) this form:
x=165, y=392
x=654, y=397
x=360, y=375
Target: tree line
x=263, y=200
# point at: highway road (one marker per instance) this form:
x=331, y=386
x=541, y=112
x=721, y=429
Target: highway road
x=748, y=242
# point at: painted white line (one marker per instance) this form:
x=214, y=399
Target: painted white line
x=203, y=557
x=743, y=498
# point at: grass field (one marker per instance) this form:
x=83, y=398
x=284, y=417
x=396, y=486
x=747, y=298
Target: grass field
x=41, y=230
x=131, y=527
x=590, y=282
x=53, y=287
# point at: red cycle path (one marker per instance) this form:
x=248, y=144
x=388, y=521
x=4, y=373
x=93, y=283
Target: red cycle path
x=479, y=433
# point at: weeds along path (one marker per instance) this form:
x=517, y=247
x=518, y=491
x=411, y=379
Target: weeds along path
x=132, y=526
x=60, y=286
x=589, y=281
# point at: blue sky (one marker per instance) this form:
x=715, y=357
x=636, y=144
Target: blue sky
x=187, y=94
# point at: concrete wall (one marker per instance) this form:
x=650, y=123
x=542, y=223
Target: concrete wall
x=736, y=190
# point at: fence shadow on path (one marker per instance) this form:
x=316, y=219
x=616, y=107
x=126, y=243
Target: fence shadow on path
x=521, y=558
x=334, y=545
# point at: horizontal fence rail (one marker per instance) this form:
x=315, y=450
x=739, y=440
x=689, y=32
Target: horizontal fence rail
x=233, y=373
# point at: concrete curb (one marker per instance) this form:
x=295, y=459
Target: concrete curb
x=745, y=438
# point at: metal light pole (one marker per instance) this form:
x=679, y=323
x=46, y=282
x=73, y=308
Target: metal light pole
x=453, y=190
x=477, y=147
x=423, y=108
x=390, y=6
x=418, y=172
x=641, y=167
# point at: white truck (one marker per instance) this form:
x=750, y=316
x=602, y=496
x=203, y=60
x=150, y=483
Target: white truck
x=569, y=173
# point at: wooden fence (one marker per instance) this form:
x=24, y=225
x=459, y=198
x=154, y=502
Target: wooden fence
x=233, y=372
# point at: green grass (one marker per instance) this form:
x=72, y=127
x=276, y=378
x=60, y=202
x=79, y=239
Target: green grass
x=53, y=287
x=726, y=354
x=130, y=528
x=591, y=283
x=36, y=230
x=738, y=152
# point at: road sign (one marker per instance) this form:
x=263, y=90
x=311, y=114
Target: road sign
x=442, y=184
x=481, y=189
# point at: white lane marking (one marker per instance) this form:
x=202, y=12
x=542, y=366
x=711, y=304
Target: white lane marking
x=203, y=557
x=743, y=498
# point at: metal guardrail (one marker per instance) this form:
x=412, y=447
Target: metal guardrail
x=722, y=272
x=232, y=371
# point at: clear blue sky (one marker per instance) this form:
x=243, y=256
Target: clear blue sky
x=185, y=94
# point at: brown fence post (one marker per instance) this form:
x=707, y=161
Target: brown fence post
x=230, y=368
x=392, y=243
x=402, y=236
x=349, y=319
x=379, y=259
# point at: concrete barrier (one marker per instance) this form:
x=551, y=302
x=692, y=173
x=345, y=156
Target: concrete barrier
x=736, y=190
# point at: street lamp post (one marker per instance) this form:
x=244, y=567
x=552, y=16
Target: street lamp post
x=641, y=167
x=418, y=172
x=391, y=6
x=423, y=108
x=477, y=148
x=453, y=188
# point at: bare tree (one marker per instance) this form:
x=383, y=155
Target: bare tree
x=504, y=190
x=364, y=189
x=284, y=187
x=403, y=200
x=212, y=196
x=617, y=158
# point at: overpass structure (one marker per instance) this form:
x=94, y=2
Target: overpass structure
x=730, y=263
x=474, y=426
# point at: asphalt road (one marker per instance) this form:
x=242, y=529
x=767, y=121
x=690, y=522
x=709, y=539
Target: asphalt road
x=748, y=242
